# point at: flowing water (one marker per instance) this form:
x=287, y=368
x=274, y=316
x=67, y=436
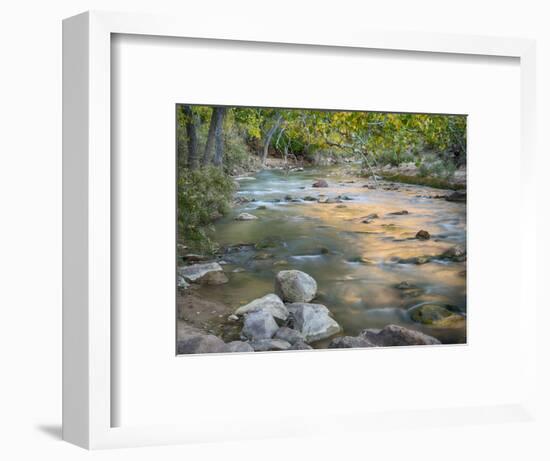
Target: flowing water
x=355, y=264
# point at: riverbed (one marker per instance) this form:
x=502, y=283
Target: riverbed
x=358, y=266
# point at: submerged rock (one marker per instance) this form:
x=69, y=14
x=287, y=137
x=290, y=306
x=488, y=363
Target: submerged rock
x=295, y=286
x=349, y=342
x=262, y=345
x=313, y=321
x=457, y=196
x=394, y=335
x=415, y=260
x=270, y=303
x=209, y=273
x=309, y=198
x=422, y=235
x=456, y=253
x=320, y=183
x=444, y=316
x=259, y=325
x=245, y=217
x=398, y=213
x=289, y=335
x=409, y=290
x=369, y=218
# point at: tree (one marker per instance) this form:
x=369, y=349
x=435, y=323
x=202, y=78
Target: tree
x=192, y=149
x=277, y=119
x=218, y=115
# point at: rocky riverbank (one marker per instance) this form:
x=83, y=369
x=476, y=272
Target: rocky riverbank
x=288, y=320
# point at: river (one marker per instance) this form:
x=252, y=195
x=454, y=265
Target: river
x=356, y=265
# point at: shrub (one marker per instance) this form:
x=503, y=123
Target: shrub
x=203, y=195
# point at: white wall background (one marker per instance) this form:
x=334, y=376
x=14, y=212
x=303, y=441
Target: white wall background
x=30, y=235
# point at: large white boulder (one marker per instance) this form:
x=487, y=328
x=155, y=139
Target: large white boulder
x=295, y=286
x=313, y=321
x=270, y=303
x=259, y=325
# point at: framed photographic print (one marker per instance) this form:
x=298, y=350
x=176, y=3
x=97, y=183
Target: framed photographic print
x=270, y=234
x=302, y=229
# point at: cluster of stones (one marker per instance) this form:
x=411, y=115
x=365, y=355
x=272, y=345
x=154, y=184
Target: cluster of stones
x=288, y=320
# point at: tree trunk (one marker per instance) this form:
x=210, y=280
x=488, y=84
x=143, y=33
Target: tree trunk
x=269, y=135
x=209, y=148
x=192, y=152
x=218, y=134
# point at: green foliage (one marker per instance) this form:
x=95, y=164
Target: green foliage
x=203, y=195
x=439, y=168
x=377, y=138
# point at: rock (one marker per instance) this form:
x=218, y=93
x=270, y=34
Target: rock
x=270, y=303
x=324, y=200
x=405, y=286
x=295, y=286
x=409, y=290
x=182, y=283
x=209, y=273
x=348, y=342
x=341, y=206
x=214, y=278
x=309, y=198
x=190, y=257
x=233, y=318
x=369, y=218
x=261, y=207
x=300, y=346
x=289, y=335
x=288, y=198
x=436, y=315
x=415, y=260
x=262, y=256
x=320, y=183
x=281, y=262
x=452, y=321
x=361, y=260
x=263, y=345
x=245, y=217
x=457, y=196
x=241, y=199
x=398, y=213
x=201, y=344
x=422, y=235
x=313, y=321
x=455, y=253
x=238, y=346
x=259, y=325
x=394, y=335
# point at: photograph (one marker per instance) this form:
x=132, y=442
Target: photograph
x=306, y=229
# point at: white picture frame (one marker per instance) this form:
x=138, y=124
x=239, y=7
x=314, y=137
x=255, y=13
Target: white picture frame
x=87, y=361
